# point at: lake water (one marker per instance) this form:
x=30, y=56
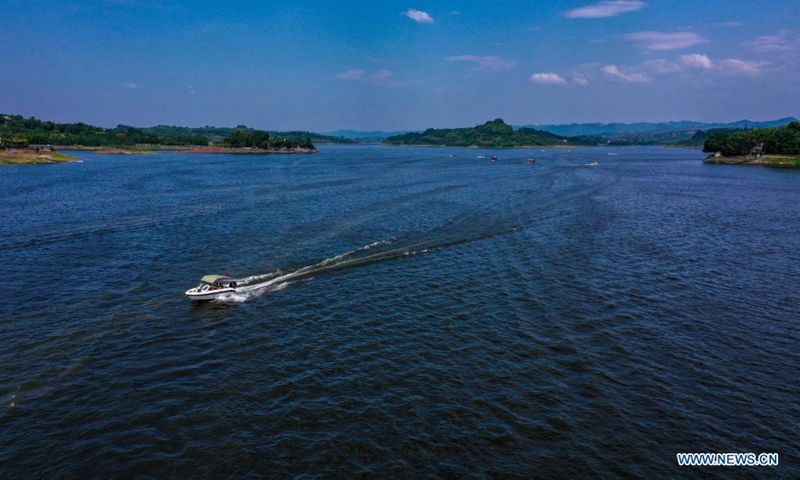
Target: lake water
x=404, y=313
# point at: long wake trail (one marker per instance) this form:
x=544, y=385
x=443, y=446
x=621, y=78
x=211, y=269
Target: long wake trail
x=457, y=231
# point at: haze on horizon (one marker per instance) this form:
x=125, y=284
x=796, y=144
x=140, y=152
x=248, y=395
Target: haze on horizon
x=319, y=66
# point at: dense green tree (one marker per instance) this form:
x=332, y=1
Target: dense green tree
x=37, y=131
x=259, y=139
x=18, y=131
x=495, y=133
x=779, y=141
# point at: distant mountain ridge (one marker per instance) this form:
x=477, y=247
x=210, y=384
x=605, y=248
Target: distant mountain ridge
x=375, y=135
x=576, y=129
x=218, y=133
x=655, y=132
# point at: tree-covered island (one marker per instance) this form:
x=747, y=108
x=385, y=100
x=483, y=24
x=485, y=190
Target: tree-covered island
x=493, y=134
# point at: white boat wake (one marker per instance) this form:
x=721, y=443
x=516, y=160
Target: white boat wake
x=470, y=227
x=256, y=285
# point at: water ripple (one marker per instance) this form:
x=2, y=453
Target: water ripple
x=406, y=314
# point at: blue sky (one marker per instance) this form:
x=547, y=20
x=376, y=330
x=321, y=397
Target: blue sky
x=392, y=65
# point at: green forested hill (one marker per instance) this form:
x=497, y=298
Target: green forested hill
x=15, y=130
x=18, y=131
x=493, y=134
x=777, y=141
x=616, y=129
x=315, y=137
x=207, y=131
x=219, y=133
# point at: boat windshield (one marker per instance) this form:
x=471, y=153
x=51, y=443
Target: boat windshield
x=213, y=286
x=213, y=283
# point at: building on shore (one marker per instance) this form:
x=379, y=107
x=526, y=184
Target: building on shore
x=40, y=148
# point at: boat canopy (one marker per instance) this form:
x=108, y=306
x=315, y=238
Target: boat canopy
x=214, y=278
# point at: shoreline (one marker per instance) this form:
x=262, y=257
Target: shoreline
x=31, y=157
x=185, y=149
x=774, y=161
x=474, y=147
x=535, y=147
x=247, y=150
x=111, y=150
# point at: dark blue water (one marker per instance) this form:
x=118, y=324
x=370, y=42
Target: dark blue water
x=405, y=314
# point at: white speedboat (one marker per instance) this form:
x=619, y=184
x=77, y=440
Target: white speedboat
x=212, y=287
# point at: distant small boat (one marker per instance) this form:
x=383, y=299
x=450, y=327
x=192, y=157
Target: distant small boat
x=611, y=153
x=481, y=156
x=494, y=159
x=593, y=164
x=531, y=161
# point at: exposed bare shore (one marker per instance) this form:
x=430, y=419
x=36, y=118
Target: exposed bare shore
x=248, y=151
x=185, y=149
x=779, y=161
x=526, y=147
x=23, y=156
x=107, y=150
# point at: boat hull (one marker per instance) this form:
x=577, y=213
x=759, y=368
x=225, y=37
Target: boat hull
x=209, y=295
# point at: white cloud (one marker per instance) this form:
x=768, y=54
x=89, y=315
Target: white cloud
x=487, y=62
x=614, y=72
x=697, y=60
x=606, y=9
x=580, y=80
x=131, y=86
x=550, y=78
x=771, y=43
x=735, y=66
x=729, y=66
x=418, y=16
x=352, y=75
x=685, y=67
x=665, y=41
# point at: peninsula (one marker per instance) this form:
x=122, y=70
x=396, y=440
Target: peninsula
x=30, y=140
x=772, y=147
x=33, y=155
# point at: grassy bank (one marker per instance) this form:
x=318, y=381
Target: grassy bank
x=30, y=156
x=111, y=150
